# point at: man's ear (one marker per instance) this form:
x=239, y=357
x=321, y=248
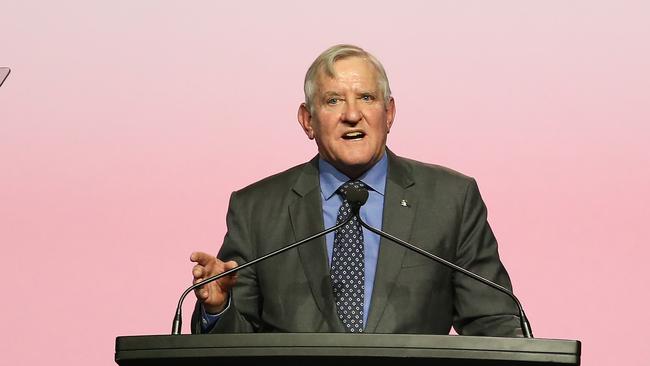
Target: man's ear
x=390, y=113
x=304, y=118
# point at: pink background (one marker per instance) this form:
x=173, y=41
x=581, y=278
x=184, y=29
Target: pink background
x=125, y=125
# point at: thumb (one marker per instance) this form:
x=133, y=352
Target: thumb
x=227, y=266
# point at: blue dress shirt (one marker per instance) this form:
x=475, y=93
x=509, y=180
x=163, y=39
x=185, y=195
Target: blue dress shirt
x=371, y=213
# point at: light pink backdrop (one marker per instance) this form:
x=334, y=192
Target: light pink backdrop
x=125, y=125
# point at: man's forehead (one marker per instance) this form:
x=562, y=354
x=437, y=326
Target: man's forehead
x=349, y=69
x=355, y=63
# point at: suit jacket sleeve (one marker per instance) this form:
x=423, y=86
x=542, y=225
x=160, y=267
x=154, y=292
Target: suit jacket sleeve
x=240, y=316
x=479, y=309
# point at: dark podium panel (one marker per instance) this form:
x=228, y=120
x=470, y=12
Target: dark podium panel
x=338, y=349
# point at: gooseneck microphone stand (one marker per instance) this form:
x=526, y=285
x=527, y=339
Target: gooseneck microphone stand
x=357, y=198
x=355, y=204
x=525, y=325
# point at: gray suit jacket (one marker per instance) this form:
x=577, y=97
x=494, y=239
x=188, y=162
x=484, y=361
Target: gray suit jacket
x=412, y=294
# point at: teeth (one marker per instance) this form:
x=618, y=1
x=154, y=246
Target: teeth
x=354, y=134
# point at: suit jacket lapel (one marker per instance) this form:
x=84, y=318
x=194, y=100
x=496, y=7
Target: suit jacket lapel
x=307, y=219
x=397, y=220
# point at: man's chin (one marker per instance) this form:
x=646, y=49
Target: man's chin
x=353, y=162
x=354, y=168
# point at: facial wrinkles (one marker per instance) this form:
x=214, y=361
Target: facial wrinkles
x=352, y=83
x=351, y=78
x=347, y=84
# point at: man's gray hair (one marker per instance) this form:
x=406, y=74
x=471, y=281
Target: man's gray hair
x=325, y=62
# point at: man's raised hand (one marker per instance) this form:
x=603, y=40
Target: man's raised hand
x=214, y=295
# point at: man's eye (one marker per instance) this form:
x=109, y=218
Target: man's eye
x=367, y=98
x=332, y=101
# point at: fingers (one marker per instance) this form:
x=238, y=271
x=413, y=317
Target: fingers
x=205, y=262
x=227, y=282
x=202, y=258
x=227, y=266
x=202, y=293
x=198, y=271
x=207, y=265
x=214, y=294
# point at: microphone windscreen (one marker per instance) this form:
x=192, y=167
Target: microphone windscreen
x=357, y=197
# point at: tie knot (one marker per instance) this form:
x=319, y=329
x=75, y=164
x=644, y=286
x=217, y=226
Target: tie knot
x=343, y=189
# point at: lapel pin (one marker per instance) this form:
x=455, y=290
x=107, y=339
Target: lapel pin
x=404, y=203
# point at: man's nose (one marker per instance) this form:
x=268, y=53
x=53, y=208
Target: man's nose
x=352, y=113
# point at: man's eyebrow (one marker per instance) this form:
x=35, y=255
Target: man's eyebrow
x=361, y=92
x=330, y=93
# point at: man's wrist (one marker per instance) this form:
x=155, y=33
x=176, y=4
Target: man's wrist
x=216, y=310
x=208, y=320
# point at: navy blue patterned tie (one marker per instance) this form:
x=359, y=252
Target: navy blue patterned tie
x=347, y=272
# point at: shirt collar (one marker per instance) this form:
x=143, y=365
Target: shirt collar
x=331, y=179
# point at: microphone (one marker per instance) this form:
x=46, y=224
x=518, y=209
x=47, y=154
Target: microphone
x=356, y=197
x=356, y=200
x=360, y=195
x=4, y=72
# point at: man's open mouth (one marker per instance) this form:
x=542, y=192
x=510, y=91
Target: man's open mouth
x=356, y=135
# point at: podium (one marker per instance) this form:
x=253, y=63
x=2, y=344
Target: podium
x=340, y=349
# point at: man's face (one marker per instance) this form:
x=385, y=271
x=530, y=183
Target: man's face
x=350, y=120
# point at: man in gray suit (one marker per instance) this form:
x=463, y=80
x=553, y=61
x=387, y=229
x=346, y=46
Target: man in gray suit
x=349, y=111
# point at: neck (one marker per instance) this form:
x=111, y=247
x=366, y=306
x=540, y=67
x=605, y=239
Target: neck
x=355, y=171
x=352, y=172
